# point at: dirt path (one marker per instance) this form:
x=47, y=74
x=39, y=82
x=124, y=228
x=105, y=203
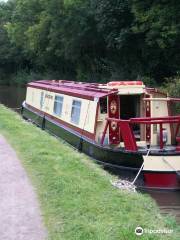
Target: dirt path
x=19, y=211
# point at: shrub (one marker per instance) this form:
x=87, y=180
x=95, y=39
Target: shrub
x=172, y=87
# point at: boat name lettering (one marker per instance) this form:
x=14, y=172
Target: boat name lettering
x=48, y=96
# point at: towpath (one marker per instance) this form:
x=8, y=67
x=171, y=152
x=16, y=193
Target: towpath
x=20, y=217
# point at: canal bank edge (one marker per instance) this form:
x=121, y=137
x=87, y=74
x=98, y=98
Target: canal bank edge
x=77, y=199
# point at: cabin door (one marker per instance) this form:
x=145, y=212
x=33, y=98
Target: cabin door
x=113, y=112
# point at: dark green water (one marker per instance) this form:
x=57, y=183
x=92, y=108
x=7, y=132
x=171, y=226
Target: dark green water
x=12, y=97
x=169, y=202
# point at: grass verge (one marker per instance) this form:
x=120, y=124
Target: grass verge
x=76, y=197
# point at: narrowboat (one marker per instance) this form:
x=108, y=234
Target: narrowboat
x=123, y=123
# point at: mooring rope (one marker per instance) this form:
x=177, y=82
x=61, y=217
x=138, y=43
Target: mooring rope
x=140, y=168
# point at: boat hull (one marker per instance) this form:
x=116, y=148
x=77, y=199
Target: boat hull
x=125, y=163
x=162, y=180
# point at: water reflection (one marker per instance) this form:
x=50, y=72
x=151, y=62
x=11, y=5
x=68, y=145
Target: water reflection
x=12, y=97
x=168, y=202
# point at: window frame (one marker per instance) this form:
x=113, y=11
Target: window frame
x=58, y=103
x=77, y=109
x=42, y=99
x=103, y=105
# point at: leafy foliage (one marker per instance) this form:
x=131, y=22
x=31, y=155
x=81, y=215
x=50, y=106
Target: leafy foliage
x=91, y=40
x=172, y=87
x=157, y=25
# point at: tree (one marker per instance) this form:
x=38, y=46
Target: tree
x=157, y=27
x=9, y=53
x=91, y=40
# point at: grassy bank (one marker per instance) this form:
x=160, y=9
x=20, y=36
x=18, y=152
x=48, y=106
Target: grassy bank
x=76, y=197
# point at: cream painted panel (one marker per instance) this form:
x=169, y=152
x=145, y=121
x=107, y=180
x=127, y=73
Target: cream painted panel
x=87, y=115
x=160, y=163
x=90, y=117
x=66, y=115
x=48, y=102
x=101, y=122
x=33, y=97
x=28, y=95
x=88, y=108
x=159, y=109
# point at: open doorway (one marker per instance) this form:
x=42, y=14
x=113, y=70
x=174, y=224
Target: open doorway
x=130, y=108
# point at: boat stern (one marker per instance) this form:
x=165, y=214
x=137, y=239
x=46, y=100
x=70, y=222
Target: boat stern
x=162, y=172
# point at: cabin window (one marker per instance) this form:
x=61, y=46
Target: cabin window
x=42, y=100
x=75, y=112
x=103, y=105
x=58, y=104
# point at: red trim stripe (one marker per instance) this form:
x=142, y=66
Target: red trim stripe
x=73, y=94
x=72, y=89
x=162, y=180
x=96, y=121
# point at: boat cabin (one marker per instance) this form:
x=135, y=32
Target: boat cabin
x=123, y=114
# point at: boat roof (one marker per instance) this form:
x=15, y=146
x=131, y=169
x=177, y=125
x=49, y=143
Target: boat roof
x=92, y=91
x=89, y=91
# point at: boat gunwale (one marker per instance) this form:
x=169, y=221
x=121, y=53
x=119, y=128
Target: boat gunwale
x=82, y=134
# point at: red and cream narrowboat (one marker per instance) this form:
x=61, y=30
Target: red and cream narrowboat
x=123, y=123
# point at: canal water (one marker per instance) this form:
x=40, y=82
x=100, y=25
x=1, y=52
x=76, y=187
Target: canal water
x=169, y=202
x=12, y=97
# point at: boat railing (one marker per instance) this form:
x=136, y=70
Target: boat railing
x=127, y=134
